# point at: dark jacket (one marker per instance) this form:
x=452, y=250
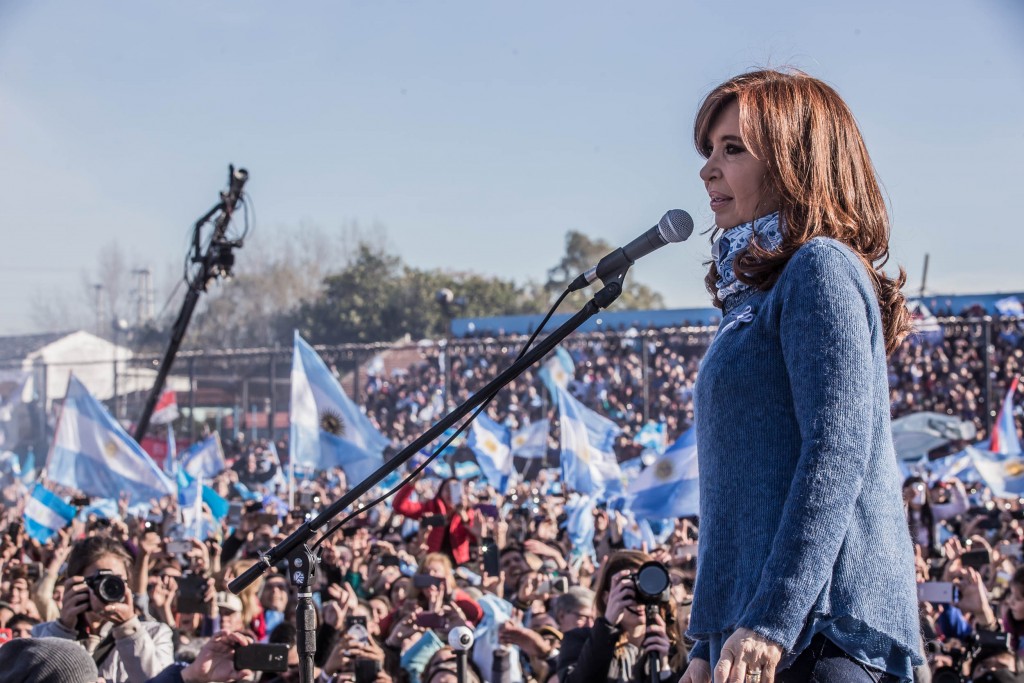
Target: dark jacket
x=587, y=655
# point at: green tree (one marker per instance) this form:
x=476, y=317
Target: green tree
x=376, y=297
x=582, y=253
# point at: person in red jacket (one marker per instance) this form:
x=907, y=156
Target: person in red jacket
x=455, y=532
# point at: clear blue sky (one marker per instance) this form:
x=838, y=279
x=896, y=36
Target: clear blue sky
x=478, y=133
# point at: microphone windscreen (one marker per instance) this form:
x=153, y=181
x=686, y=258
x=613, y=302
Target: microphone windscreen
x=675, y=226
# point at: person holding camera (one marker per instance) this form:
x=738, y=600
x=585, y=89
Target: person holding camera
x=631, y=639
x=97, y=610
x=804, y=551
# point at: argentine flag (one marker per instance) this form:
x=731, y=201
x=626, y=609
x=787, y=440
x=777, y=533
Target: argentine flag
x=1003, y=474
x=92, y=453
x=204, y=458
x=328, y=429
x=669, y=488
x=588, y=458
x=46, y=513
x=491, y=443
x=579, y=524
x=1004, y=432
x=531, y=442
x=558, y=371
x=652, y=436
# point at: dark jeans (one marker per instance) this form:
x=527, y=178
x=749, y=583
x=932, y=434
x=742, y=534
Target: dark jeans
x=824, y=662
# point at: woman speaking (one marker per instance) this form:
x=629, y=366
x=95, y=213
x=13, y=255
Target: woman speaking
x=806, y=568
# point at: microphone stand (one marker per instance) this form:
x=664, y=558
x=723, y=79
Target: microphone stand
x=296, y=541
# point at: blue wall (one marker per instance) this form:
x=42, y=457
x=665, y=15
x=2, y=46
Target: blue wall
x=677, y=317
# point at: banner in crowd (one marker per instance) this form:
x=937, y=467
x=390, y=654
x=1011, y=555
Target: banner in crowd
x=92, y=453
x=327, y=428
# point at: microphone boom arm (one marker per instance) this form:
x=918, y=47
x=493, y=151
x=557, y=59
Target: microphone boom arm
x=602, y=299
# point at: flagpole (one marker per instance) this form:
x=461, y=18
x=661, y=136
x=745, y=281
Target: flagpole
x=296, y=540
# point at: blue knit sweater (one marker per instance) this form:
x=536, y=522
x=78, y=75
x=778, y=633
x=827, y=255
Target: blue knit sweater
x=802, y=528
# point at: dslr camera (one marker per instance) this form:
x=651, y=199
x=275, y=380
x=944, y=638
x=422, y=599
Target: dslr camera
x=107, y=586
x=651, y=583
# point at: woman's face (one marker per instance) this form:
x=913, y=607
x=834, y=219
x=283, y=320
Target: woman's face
x=735, y=180
x=1016, y=601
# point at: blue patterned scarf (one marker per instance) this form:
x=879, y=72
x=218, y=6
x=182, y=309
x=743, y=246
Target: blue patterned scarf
x=734, y=240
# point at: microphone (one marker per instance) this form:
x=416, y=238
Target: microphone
x=674, y=226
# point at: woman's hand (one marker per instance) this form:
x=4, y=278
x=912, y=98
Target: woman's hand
x=76, y=602
x=699, y=671
x=620, y=597
x=747, y=651
x=656, y=639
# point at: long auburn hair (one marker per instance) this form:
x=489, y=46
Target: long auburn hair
x=819, y=169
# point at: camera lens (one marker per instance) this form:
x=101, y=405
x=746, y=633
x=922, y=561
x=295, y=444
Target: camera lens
x=109, y=588
x=652, y=580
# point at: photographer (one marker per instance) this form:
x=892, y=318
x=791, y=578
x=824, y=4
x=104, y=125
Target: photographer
x=97, y=610
x=617, y=646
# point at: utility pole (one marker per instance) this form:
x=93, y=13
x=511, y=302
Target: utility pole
x=98, y=288
x=143, y=296
x=924, y=276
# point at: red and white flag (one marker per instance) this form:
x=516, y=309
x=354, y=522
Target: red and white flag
x=166, y=408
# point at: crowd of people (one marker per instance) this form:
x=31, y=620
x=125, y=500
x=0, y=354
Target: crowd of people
x=149, y=601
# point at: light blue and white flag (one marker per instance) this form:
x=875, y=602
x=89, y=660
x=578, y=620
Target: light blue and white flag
x=670, y=487
x=171, y=461
x=652, y=436
x=557, y=371
x=531, y=442
x=588, y=458
x=203, y=458
x=466, y=469
x=487, y=638
x=328, y=429
x=46, y=513
x=1010, y=306
x=579, y=524
x=491, y=443
x=278, y=483
x=93, y=453
x=10, y=467
x=1003, y=474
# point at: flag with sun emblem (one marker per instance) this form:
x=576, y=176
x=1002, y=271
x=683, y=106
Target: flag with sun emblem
x=669, y=488
x=92, y=453
x=327, y=428
x=531, y=442
x=589, y=464
x=557, y=371
x=491, y=443
x=1003, y=474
